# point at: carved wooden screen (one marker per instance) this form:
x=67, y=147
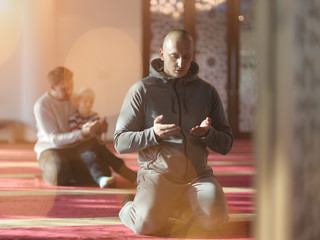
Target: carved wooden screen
x=224, y=48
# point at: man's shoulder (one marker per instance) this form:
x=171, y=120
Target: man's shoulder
x=45, y=101
x=144, y=83
x=42, y=99
x=204, y=83
x=150, y=80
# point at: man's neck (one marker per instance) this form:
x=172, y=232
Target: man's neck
x=54, y=96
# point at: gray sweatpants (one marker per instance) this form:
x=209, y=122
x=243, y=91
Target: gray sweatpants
x=159, y=198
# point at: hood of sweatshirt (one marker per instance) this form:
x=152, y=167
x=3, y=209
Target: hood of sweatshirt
x=156, y=70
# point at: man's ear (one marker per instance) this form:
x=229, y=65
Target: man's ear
x=52, y=87
x=161, y=53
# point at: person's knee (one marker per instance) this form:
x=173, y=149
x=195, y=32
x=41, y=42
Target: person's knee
x=143, y=229
x=54, y=178
x=55, y=166
x=148, y=224
x=56, y=175
x=50, y=172
x=214, y=220
x=50, y=179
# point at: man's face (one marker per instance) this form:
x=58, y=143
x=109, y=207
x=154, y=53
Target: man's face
x=177, y=56
x=85, y=104
x=63, y=90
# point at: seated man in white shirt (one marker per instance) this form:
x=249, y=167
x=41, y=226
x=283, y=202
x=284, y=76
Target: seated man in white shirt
x=63, y=154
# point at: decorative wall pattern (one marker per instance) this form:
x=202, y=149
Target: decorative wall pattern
x=211, y=45
x=306, y=123
x=165, y=16
x=247, y=68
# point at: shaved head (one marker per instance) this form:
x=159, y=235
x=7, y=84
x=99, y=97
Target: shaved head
x=177, y=53
x=178, y=35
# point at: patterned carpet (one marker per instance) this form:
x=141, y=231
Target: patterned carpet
x=30, y=209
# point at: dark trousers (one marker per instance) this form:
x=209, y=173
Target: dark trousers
x=85, y=163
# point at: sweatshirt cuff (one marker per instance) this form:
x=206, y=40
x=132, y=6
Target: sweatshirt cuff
x=152, y=139
x=207, y=135
x=78, y=135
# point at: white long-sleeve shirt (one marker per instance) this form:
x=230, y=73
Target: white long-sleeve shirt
x=51, y=117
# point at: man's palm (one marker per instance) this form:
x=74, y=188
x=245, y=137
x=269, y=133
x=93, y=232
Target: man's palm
x=202, y=129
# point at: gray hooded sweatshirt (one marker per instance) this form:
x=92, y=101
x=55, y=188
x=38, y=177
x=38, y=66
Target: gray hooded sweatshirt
x=186, y=102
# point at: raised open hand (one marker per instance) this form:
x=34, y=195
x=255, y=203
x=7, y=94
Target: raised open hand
x=163, y=131
x=202, y=129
